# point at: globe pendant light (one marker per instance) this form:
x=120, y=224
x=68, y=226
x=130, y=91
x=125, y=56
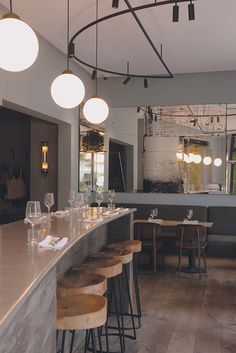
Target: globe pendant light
x=96, y=110
x=67, y=89
x=207, y=160
x=18, y=42
x=217, y=162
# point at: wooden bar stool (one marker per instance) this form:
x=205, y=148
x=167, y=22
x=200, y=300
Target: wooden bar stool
x=125, y=255
x=81, y=283
x=136, y=246
x=109, y=268
x=81, y=312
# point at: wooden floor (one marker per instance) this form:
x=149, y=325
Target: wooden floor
x=187, y=315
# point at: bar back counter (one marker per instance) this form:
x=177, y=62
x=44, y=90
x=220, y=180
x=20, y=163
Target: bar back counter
x=28, y=275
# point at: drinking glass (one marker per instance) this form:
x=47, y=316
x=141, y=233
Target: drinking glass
x=111, y=196
x=189, y=214
x=99, y=199
x=79, y=199
x=71, y=197
x=86, y=198
x=32, y=215
x=49, y=200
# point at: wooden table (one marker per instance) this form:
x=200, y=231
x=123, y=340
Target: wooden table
x=173, y=223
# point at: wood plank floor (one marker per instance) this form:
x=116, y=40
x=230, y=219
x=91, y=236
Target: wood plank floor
x=185, y=315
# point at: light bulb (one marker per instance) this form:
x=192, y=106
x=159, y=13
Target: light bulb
x=179, y=155
x=197, y=159
x=207, y=160
x=217, y=162
x=18, y=44
x=191, y=157
x=186, y=158
x=96, y=110
x=67, y=90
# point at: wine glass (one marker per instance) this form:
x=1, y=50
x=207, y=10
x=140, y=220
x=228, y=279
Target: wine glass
x=71, y=197
x=111, y=196
x=99, y=199
x=189, y=214
x=32, y=215
x=155, y=211
x=49, y=200
x=86, y=198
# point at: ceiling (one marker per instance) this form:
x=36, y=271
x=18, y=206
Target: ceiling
x=206, y=44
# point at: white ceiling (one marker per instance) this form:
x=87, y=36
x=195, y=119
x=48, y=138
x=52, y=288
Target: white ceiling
x=206, y=44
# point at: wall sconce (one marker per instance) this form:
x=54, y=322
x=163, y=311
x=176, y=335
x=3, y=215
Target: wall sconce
x=44, y=164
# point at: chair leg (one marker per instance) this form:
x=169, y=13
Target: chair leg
x=180, y=260
x=199, y=262
x=204, y=258
x=136, y=287
x=154, y=259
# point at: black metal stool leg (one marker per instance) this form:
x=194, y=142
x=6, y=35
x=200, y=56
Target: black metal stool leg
x=117, y=315
x=63, y=341
x=72, y=340
x=86, y=343
x=93, y=341
x=136, y=289
x=121, y=312
x=130, y=302
x=99, y=339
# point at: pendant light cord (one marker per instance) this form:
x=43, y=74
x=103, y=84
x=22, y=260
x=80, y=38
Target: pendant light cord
x=96, y=48
x=11, y=6
x=68, y=32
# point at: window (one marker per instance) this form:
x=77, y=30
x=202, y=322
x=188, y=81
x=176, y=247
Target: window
x=91, y=170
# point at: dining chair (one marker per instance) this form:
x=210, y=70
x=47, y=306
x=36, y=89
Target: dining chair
x=148, y=233
x=193, y=238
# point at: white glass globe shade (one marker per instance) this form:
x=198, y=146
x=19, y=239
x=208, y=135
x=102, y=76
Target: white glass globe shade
x=207, y=160
x=191, y=157
x=96, y=110
x=67, y=90
x=18, y=45
x=197, y=159
x=218, y=162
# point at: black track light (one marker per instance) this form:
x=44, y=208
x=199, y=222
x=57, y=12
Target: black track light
x=155, y=118
x=138, y=109
x=94, y=75
x=115, y=4
x=126, y=80
x=145, y=83
x=191, y=12
x=175, y=17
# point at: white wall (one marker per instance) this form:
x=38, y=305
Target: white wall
x=29, y=92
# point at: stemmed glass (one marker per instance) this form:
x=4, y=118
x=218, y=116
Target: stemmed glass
x=111, y=196
x=86, y=198
x=189, y=214
x=71, y=198
x=49, y=200
x=32, y=215
x=99, y=199
x=79, y=199
x=154, y=213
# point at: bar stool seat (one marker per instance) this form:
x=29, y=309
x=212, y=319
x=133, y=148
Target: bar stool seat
x=82, y=311
x=134, y=245
x=81, y=283
x=107, y=267
x=124, y=255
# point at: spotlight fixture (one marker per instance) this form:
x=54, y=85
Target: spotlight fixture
x=126, y=80
x=175, y=17
x=145, y=83
x=191, y=11
x=138, y=109
x=18, y=42
x=94, y=75
x=155, y=117
x=115, y=4
x=67, y=89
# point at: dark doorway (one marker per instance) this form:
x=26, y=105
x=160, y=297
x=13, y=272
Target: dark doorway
x=120, y=166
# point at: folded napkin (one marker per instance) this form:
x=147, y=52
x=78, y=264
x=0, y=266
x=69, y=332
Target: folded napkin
x=51, y=242
x=190, y=222
x=155, y=220
x=61, y=213
x=93, y=220
x=110, y=213
x=122, y=209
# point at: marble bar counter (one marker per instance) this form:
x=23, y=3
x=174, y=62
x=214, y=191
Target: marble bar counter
x=28, y=275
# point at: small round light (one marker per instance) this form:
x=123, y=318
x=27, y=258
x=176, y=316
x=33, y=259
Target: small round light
x=217, y=162
x=18, y=44
x=191, y=157
x=67, y=90
x=207, y=160
x=96, y=110
x=197, y=159
x=179, y=155
x=186, y=158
